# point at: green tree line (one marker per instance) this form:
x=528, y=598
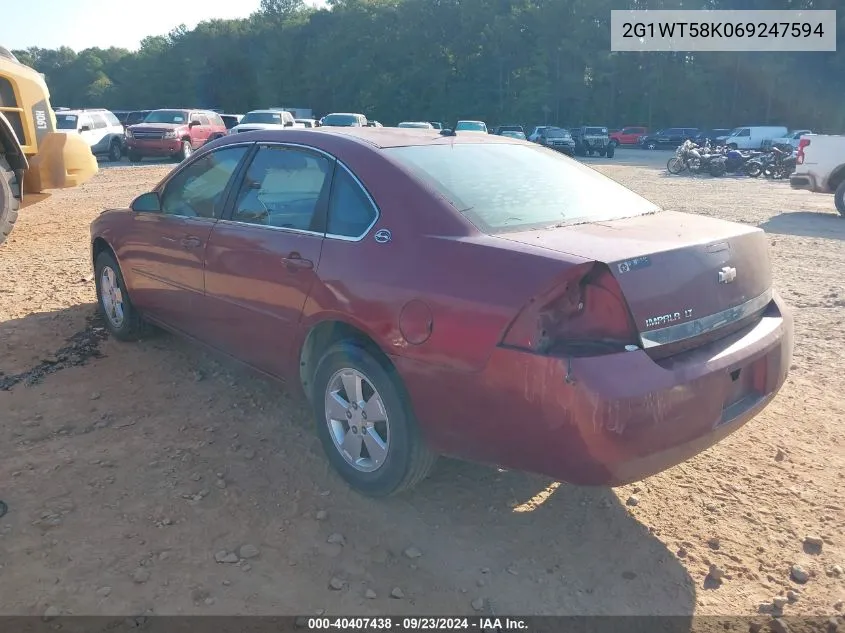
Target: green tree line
x=524, y=61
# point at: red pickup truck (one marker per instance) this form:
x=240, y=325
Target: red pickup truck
x=172, y=133
x=627, y=136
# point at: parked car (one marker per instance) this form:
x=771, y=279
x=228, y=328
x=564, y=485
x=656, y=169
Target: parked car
x=668, y=138
x=820, y=167
x=100, y=128
x=792, y=139
x=716, y=136
x=508, y=128
x=231, y=120
x=424, y=125
x=603, y=306
x=134, y=117
x=264, y=120
x=308, y=122
x=627, y=135
x=471, y=126
x=592, y=140
x=535, y=133
x=754, y=136
x=173, y=133
x=558, y=139
x=344, y=119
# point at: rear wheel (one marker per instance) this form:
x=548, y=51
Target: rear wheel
x=839, y=198
x=753, y=168
x=10, y=192
x=675, y=165
x=115, y=151
x=611, y=150
x=717, y=169
x=365, y=425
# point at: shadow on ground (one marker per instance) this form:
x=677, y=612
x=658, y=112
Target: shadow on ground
x=521, y=543
x=807, y=224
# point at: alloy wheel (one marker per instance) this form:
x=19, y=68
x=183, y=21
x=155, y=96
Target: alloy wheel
x=112, y=297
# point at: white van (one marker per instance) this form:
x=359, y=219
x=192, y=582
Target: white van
x=754, y=137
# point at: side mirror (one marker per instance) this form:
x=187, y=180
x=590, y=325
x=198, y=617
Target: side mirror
x=147, y=203
x=193, y=123
x=85, y=128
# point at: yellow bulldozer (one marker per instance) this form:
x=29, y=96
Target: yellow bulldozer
x=33, y=156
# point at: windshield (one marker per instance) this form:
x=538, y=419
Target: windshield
x=476, y=126
x=262, y=117
x=502, y=187
x=341, y=120
x=66, y=121
x=426, y=126
x=167, y=116
x=553, y=132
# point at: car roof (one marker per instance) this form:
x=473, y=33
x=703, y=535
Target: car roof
x=469, y=121
x=345, y=113
x=268, y=111
x=377, y=137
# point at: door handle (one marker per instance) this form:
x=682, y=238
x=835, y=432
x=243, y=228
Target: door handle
x=295, y=261
x=190, y=242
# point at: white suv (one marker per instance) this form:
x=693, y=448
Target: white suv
x=265, y=120
x=100, y=129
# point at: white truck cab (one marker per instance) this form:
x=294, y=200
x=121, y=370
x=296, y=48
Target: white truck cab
x=820, y=166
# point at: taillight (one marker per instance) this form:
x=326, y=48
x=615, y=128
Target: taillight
x=799, y=158
x=584, y=315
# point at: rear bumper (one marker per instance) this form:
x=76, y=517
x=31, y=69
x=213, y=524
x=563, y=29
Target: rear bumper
x=805, y=180
x=606, y=420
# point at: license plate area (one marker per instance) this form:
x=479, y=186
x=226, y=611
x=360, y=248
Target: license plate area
x=746, y=387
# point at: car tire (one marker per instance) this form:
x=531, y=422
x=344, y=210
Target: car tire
x=602, y=153
x=115, y=152
x=113, y=301
x=185, y=151
x=613, y=143
x=839, y=198
x=406, y=460
x=134, y=157
x=611, y=150
x=10, y=193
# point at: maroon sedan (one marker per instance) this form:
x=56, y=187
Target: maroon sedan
x=474, y=296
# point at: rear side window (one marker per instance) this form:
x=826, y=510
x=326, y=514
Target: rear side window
x=99, y=121
x=111, y=119
x=350, y=211
x=502, y=187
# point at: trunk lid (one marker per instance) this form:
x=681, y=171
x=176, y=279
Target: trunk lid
x=686, y=278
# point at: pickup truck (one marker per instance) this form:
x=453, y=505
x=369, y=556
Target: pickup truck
x=820, y=166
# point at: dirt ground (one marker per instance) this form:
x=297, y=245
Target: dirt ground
x=129, y=469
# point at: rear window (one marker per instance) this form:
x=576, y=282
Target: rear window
x=503, y=187
x=66, y=121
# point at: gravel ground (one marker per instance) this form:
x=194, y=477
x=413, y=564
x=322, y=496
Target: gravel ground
x=155, y=478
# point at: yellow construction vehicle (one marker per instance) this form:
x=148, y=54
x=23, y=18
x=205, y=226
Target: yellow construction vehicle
x=33, y=156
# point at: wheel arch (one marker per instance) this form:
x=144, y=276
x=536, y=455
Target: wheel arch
x=100, y=245
x=324, y=333
x=837, y=176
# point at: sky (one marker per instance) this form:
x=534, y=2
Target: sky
x=82, y=24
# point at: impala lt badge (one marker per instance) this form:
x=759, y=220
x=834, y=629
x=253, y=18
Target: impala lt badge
x=727, y=275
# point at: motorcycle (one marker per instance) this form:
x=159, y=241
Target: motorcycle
x=736, y=160
x=782, y=164
x=697, y=159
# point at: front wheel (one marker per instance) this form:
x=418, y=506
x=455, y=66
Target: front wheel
x=613, y=143
x=717, y=169
x=121, y=318
x=10, y=192
x=611, y=150
x=675, y=165
x=839, y=198
x=185, y=151
x=365, y=425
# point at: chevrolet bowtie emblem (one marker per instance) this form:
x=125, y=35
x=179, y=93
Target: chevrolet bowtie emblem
x=727, y=275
